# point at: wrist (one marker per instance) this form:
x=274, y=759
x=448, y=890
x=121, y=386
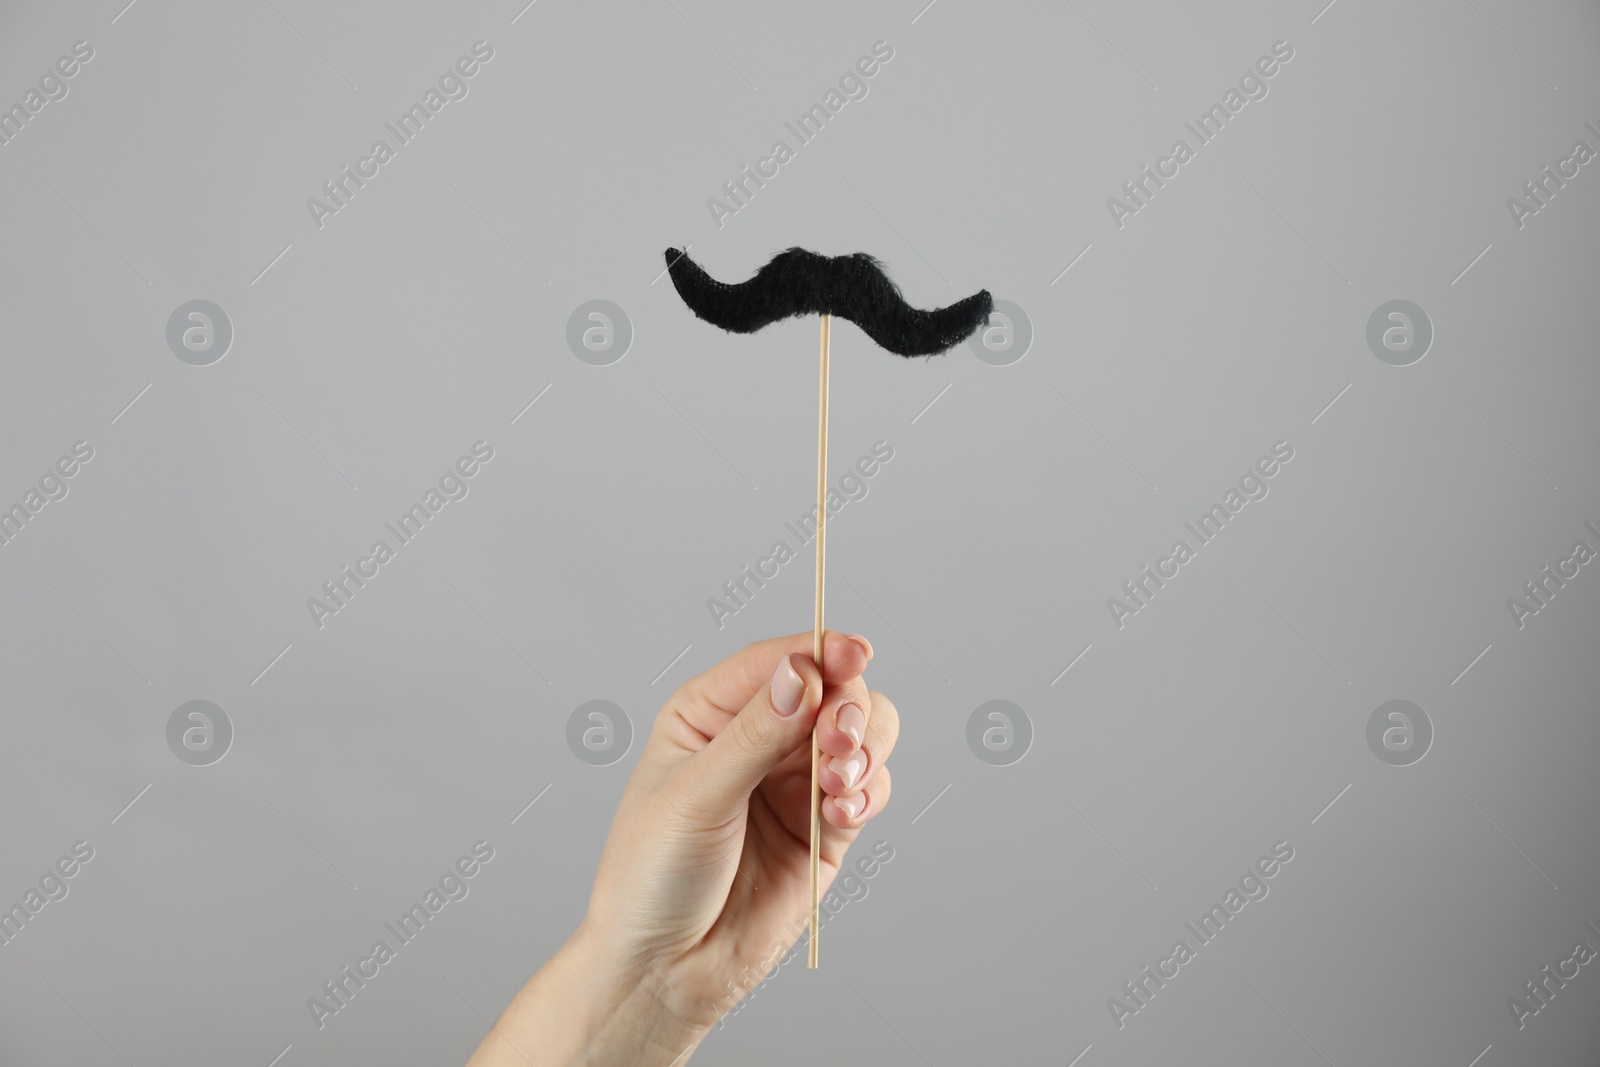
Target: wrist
x=591, y=1004
x=635, y=1013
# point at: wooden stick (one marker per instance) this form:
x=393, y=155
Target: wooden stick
x=816, y=633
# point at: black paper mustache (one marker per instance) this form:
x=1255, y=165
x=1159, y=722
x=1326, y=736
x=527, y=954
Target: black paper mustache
x=854, y=287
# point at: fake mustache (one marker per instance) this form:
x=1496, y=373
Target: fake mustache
x=854, y=287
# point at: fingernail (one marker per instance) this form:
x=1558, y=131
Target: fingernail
x=852, y=722
x=849, y=771
x=851, y=806
x=787, y=688
x=866, y=646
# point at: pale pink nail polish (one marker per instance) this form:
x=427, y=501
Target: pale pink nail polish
x=851, y=806
x=849, y=770
x=866, y=646
x=852, y=722
x=787, y=688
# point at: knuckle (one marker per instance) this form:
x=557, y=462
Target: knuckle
x=881, y=789
x=749, y=733
x=852, y=692
x=885, y=715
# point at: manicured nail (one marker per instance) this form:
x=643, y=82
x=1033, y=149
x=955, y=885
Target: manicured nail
x=852, y=722
x=849, y=771
x=866, y=646
x=787, y=688
x=851, y=806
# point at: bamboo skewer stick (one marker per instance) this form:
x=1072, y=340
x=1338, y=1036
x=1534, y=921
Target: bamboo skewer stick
x=816, y=637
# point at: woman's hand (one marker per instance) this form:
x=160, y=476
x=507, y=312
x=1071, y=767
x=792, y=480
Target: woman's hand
x=705, y=879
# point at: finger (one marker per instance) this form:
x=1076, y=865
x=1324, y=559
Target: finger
x=730, y=684
x=846, y=712
x=845, y=816
x=845, y=773
x=775, y=722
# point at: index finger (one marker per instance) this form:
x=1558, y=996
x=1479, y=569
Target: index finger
x=730, y=684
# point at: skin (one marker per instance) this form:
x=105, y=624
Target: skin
x=704, y=882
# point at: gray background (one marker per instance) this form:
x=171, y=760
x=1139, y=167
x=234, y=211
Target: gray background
x=371, y=353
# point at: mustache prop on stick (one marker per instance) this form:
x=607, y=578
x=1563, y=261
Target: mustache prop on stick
x=854, y=287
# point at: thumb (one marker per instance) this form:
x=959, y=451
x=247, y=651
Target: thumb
x=776, y=722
